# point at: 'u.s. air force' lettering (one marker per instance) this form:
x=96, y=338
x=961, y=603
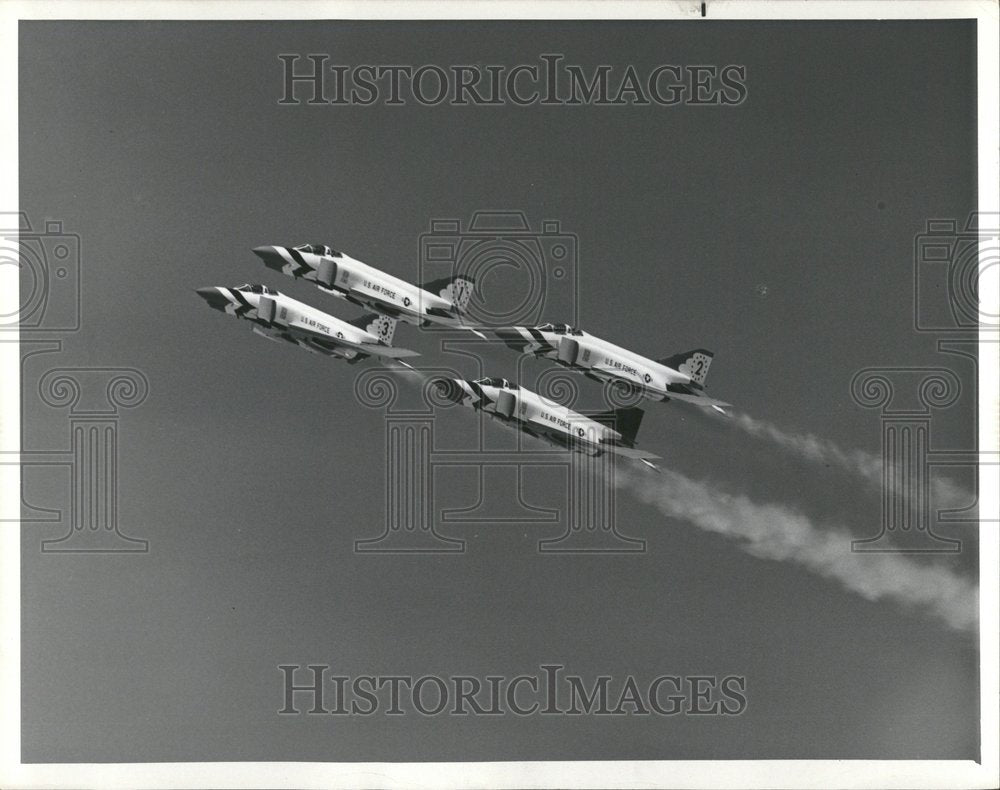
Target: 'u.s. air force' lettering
x=614, y=363
x=555, y=420
x=380, y=289
x=310, y=322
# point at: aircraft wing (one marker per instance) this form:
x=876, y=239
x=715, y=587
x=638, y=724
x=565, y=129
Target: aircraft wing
x=299, y=329
x=562, y=428
x=391, y=352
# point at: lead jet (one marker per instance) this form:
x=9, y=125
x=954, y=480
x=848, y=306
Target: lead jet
x=680, y=377
x=441, y=301
x=283, y=319
x=593, y=433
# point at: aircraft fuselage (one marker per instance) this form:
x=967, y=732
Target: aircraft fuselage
x=340, y=275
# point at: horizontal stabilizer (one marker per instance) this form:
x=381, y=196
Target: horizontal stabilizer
x=697, y=397
x=390, y=352
x=632, y=452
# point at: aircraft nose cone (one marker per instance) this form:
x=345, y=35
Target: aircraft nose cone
x=449, y=390
x=271, y=257
x=211, y=295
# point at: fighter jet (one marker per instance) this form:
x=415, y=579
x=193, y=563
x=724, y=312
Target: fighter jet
x=680, y=377
x=283, y=319
x=593, y=433
x=441, y=301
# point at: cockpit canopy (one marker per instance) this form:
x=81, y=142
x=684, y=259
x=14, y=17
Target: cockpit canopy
x=560, y=329
x=257, y=289
x=318, y=249
x=495, y=382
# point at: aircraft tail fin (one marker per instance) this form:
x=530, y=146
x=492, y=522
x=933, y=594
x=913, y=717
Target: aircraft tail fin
x=457, y=290
x=625, y=421
x=381, y=326
x=693, y=363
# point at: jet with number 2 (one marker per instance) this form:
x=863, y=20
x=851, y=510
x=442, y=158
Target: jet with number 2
x=591, y=433
x=679, y=377
x=283, y=319
x=441, y=301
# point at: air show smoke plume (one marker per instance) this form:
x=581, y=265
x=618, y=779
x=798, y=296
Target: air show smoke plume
x=865, y=465
x=813, y=448
x=777, y=532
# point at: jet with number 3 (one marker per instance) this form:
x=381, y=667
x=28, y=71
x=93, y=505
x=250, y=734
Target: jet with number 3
x=283, y=319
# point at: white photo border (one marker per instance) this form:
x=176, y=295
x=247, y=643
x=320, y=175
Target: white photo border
x=577, y=774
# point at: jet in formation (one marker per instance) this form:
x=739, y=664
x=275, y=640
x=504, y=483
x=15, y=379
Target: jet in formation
x=591, y=433
x=445, y=302
x=679, y=377
x=280, y=318
x=441, y=301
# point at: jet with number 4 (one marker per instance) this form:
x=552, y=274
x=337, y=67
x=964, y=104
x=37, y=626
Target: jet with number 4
x=591, y=433
x=283, y=319
x=441, y=301
x=680, y=377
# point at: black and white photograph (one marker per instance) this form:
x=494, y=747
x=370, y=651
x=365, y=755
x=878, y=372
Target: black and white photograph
x=499, y=395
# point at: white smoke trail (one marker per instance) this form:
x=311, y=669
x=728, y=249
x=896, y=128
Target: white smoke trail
x=858, y=462
x=776, y=532
x=813, y=448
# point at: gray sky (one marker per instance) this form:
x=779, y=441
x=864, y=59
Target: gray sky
x=778, y=233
